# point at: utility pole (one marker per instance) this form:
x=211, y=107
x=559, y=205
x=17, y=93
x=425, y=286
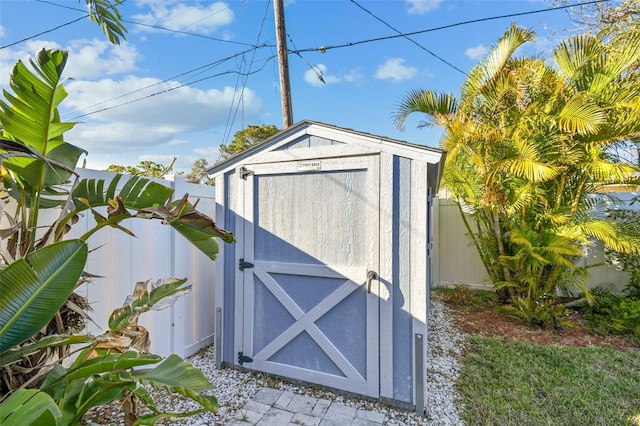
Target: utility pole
x=283, y=64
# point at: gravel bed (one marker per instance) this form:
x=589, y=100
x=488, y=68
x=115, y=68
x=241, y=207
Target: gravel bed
x=234, y=388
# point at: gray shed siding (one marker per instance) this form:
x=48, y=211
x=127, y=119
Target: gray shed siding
x=402, y=321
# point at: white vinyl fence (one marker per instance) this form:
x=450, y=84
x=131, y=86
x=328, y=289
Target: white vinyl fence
x=156, y=252
x=458, y=261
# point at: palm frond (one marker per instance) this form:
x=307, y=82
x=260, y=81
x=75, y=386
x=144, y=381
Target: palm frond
x=607, y=233
x=438, y=106
x=573, y=54
x=581, y=115
x=494, y=62
x=107, y=16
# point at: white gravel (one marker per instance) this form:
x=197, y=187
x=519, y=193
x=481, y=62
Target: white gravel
x=234, y=388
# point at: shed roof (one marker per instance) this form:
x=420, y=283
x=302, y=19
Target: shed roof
x=339, y=134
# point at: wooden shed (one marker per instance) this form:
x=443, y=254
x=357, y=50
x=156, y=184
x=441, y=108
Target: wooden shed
x=329, y=280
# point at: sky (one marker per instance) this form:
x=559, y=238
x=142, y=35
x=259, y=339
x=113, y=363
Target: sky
x=192, y=73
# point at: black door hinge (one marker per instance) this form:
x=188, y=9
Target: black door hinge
x=242, y=265
x=243, y=358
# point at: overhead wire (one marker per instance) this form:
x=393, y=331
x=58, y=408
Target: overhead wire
x=87, y=15
x=227, y=133
x=313, y=68
x=170, y=89
x=203, y=67
x=44, y=32
x=323, y=49
x=157, y=27
x=295, y=51
x=408, y=38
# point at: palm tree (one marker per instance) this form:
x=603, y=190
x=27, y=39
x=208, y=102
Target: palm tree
x=528, y=152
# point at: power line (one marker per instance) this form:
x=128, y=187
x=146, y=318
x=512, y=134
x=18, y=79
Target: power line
x=44, y=32
x=157, y=27
x=203, y=67
x=408, y=38
x=323, y=49
x=55, y=28
x=296, y=51
x=313, y=68
x=171, y=89
x=227, y=133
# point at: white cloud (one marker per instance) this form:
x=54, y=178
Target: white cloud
x=420, y=7
x=1, y=31
x=97, y=58
x=394, y=70
x=87, y=58
x=353, y=76
x=311, y=76
x=23, y=51
x=150, y=122
x=187, y=16
x=208, y=151
x=477, y=52
x=177, y=142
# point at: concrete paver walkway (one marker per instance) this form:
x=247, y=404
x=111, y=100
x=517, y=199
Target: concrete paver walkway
x=273, y=407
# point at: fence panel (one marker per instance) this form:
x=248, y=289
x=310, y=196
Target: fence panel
x=156, y=252
x=459, y=262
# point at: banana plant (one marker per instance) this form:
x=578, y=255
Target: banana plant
x=110, y=368
x=39, y=270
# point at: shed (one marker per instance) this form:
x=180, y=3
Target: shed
x=329, y=280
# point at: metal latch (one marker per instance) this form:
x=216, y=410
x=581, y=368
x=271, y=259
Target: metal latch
x=242, y=265
x=371, y=275
x=243, y=172
x=243, y=358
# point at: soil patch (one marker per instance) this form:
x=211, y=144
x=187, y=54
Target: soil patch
x=485, y=321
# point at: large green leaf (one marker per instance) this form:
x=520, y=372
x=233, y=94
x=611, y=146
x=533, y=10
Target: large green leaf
x=13, y=355
x=179, y=376
x=174, y=372
x=30, y=117
x=136, y=193
x=151, y=200
x=109, y=363
x=100, y=374
x=29, y=407
x=32, y=289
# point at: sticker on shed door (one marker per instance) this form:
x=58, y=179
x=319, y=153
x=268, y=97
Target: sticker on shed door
x=312, y=236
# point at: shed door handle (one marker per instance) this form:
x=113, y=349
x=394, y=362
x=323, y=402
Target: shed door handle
x=371, y=275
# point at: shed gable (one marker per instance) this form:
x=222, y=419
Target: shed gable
x=308, y=141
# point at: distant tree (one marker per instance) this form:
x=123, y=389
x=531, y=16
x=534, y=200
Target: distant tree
x=198, y=173
x=245, y=138
x=145, y=168
x=605, y=16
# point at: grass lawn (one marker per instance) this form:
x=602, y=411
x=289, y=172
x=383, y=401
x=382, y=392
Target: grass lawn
x=520, y=383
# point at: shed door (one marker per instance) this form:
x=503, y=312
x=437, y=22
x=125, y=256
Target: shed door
x=311, y=232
